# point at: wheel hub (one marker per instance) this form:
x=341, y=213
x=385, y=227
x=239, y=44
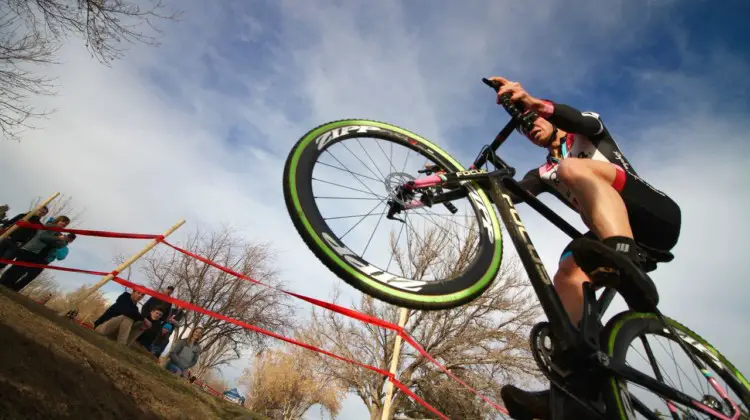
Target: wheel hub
x=394, y=183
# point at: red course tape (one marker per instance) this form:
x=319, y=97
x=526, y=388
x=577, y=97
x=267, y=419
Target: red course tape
x=327, y=305
x=100, y=233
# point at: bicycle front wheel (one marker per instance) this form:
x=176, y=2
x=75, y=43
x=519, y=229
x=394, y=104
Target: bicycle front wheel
x=432, y=258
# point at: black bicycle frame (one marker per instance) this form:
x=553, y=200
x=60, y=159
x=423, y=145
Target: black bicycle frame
x=500, y=182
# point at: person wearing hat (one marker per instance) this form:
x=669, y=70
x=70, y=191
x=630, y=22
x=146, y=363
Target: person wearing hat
x=162, y=340
x=153, y=301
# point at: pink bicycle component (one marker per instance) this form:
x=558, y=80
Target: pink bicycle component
x=414, y=204
x=428, y=181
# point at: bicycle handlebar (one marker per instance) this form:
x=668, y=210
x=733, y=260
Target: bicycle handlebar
x=516, y=110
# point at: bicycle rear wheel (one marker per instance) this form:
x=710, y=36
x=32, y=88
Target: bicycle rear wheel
x=635, y=338
x=308, y=196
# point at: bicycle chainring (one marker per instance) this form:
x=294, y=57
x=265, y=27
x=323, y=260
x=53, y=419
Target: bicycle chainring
x=542, y=348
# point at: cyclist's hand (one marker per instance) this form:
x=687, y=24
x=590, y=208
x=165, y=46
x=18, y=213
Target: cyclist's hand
x=518, y=94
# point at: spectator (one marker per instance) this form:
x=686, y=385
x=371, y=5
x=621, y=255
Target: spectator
x=185, y=353
x=3, y=212
x=178, y=318
x=148, y=335
x=35, y=251
x=10, y=245
x=153, y=301
x=161, y=341
x=123, y=319
x=53, y=254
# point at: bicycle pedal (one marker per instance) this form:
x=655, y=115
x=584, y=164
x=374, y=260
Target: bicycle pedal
x=605, y=276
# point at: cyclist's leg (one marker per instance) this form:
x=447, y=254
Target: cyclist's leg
x=568, y=281
x=596, y=185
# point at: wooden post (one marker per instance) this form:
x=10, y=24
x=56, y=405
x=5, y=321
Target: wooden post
x=28, y=215
x=403, y=314
x=104, y=280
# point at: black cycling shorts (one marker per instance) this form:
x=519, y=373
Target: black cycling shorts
x=655, y=219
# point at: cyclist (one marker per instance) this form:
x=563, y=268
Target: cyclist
x=586, y=170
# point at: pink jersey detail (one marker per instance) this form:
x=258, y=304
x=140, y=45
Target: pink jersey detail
x=569, y=139
x=547, y=109
x=620, y=178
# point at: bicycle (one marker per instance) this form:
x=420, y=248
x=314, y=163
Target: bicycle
x=592, y=351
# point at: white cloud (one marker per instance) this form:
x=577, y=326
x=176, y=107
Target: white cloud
x=144, y=143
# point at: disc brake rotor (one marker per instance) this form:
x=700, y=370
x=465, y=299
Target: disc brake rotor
x=393, y=183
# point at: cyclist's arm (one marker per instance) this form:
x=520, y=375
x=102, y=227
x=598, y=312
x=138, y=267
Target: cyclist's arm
x=570, y=119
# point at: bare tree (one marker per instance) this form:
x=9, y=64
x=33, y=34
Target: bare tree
x=215, y=290
x=62, y=206
x=31, y=32
x=19, y=48
x=285, y=383
x=215, y=380
x=89, y=310
x=44, y=285
x=486, y=340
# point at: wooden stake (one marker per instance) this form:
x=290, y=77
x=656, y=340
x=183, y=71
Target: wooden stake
x=403, y=314
x=28, y=215
x=120, y=268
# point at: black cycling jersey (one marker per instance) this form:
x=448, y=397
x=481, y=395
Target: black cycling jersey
x=588, y=138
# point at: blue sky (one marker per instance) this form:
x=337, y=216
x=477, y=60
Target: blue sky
x=199, y=128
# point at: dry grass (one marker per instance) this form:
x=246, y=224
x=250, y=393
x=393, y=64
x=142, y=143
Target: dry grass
x=52, y=368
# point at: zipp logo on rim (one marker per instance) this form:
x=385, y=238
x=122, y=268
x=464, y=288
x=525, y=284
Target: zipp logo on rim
x=485, y=213
x=328, y=136
x=355, y=261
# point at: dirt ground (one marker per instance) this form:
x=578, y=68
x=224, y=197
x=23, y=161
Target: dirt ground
x=51, y=368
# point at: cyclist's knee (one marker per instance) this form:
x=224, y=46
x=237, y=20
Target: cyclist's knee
x=571, y=170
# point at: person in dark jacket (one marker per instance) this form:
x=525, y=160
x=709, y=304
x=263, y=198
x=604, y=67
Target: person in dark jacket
x=10, y=245
x=35, y=251
x=156, y=316
x=123, y=320
x=153, y=302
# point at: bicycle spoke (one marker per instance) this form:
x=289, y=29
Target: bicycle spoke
x=360, y=221
x=381, y=197
x=373, y=231
x=396, y=246
x=348, y=198
x=390, y=162
x=370, y=157
x=347, y=170
x=355, y=176
x=360, y=161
